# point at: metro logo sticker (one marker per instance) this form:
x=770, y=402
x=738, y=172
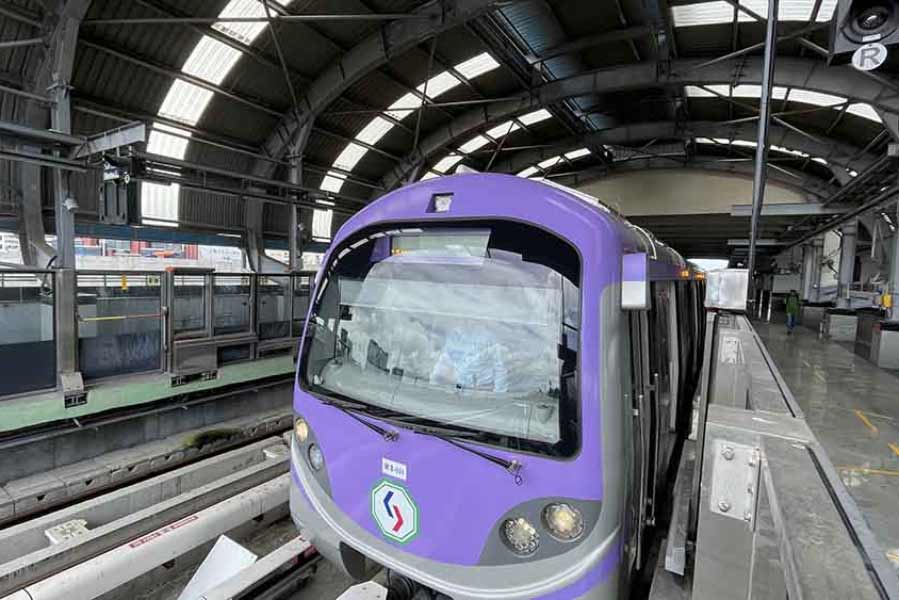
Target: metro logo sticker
x=394, y=511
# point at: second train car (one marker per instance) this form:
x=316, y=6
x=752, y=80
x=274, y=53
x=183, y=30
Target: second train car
x=494, y=374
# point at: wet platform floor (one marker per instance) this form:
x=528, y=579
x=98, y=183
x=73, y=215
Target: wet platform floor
x=853, y=407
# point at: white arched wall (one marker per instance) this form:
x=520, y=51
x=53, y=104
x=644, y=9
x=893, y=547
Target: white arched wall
x=681, y=192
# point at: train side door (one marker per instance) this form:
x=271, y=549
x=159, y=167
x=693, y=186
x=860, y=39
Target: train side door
x=641, y=406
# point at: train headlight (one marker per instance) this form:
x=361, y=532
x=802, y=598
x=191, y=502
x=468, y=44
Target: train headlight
x=316, y=460
x=563, y=521
x=521, y=536
x=301, y=428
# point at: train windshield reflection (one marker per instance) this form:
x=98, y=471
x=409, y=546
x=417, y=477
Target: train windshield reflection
x=455, y=327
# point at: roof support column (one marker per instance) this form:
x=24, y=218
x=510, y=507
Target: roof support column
x=817, y=255
x=807, y=271
x=294, y=228
x=847, y=262
x=761, y=152
x=254, y=241
x=893, y=314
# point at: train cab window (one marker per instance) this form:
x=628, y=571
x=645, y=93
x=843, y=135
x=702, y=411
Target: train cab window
x=472, y=328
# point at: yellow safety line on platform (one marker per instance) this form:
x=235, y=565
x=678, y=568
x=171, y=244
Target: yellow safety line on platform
x=867, y=471
x=866, y=421
x=894, y=448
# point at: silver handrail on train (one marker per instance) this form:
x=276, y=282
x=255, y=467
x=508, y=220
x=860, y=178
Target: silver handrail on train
x=766, y=514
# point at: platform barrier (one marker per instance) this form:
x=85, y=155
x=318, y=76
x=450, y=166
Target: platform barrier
x=28, y=343
x=186, y=322
x=768, y=516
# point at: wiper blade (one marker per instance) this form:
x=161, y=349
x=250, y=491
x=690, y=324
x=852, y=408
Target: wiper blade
x=348, y=406
x=451, y=436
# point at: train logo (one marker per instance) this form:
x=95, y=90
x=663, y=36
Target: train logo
x=394, y=510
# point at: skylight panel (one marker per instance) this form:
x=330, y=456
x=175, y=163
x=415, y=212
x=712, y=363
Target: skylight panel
x=704, y=140
x=478, y=141
x=446, y=163
x=527, y=172
x=243, y=32
x=549, y=162
x=439, y=84
x=351, y=155
x=706, y=13
x=717, y=12
x=166, y=144
x=798, y=153
x=403, y=107
x=429, y=175
x=373, y=132
x=816, y=98
x=535, y=117
x=865, y=111
x=503, y=130
x=820, y=160
x=211, y=60
x=321, y=223
x=478, y=65
x=826, y=12
x=332, y=182
x=185, y=102
x=744, y=143
x=694, y=91
x=576, y=154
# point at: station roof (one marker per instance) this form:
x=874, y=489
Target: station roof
x=564, y=89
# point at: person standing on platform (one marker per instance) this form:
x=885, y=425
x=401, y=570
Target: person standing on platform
x=792, y=310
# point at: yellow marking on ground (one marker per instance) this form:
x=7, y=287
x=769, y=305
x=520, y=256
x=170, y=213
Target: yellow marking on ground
x=893, y=555
x=868, y=471
x=894, y=448
x=861, y=416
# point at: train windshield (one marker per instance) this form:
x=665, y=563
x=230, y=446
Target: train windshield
x=473, y=328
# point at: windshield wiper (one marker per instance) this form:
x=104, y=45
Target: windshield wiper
x=348, y=406
x=452, y=436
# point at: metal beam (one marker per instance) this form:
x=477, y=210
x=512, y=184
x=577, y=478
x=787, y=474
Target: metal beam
x=375, y=50
x=43, y=160
x=809, y=74
x=280, y=18
x=834, y=152
x=759, y=178
x=98, y=108
x=791, y=209
x=174, y=73
x=591, y=41
x=22, y=43
x=21, y=15
x=740, y=169
x=119, y=137
x=33, y=134
x=759, y=242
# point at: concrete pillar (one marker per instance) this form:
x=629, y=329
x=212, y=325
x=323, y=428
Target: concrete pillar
x=847, y=262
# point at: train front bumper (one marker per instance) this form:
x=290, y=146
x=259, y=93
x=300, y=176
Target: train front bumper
x=595, y=576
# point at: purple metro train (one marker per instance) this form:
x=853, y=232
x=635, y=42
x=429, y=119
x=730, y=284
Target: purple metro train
x=494, y=376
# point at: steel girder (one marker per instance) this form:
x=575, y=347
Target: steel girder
x=802, y=73
x=836, y=153
x=389, y=40
x=745, y=169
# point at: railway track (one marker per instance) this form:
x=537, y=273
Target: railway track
x=119, y=542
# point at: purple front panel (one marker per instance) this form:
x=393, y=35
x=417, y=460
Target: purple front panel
x=460, y=496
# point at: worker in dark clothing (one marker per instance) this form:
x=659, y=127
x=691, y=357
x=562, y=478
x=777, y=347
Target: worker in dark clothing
x=792, y=310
